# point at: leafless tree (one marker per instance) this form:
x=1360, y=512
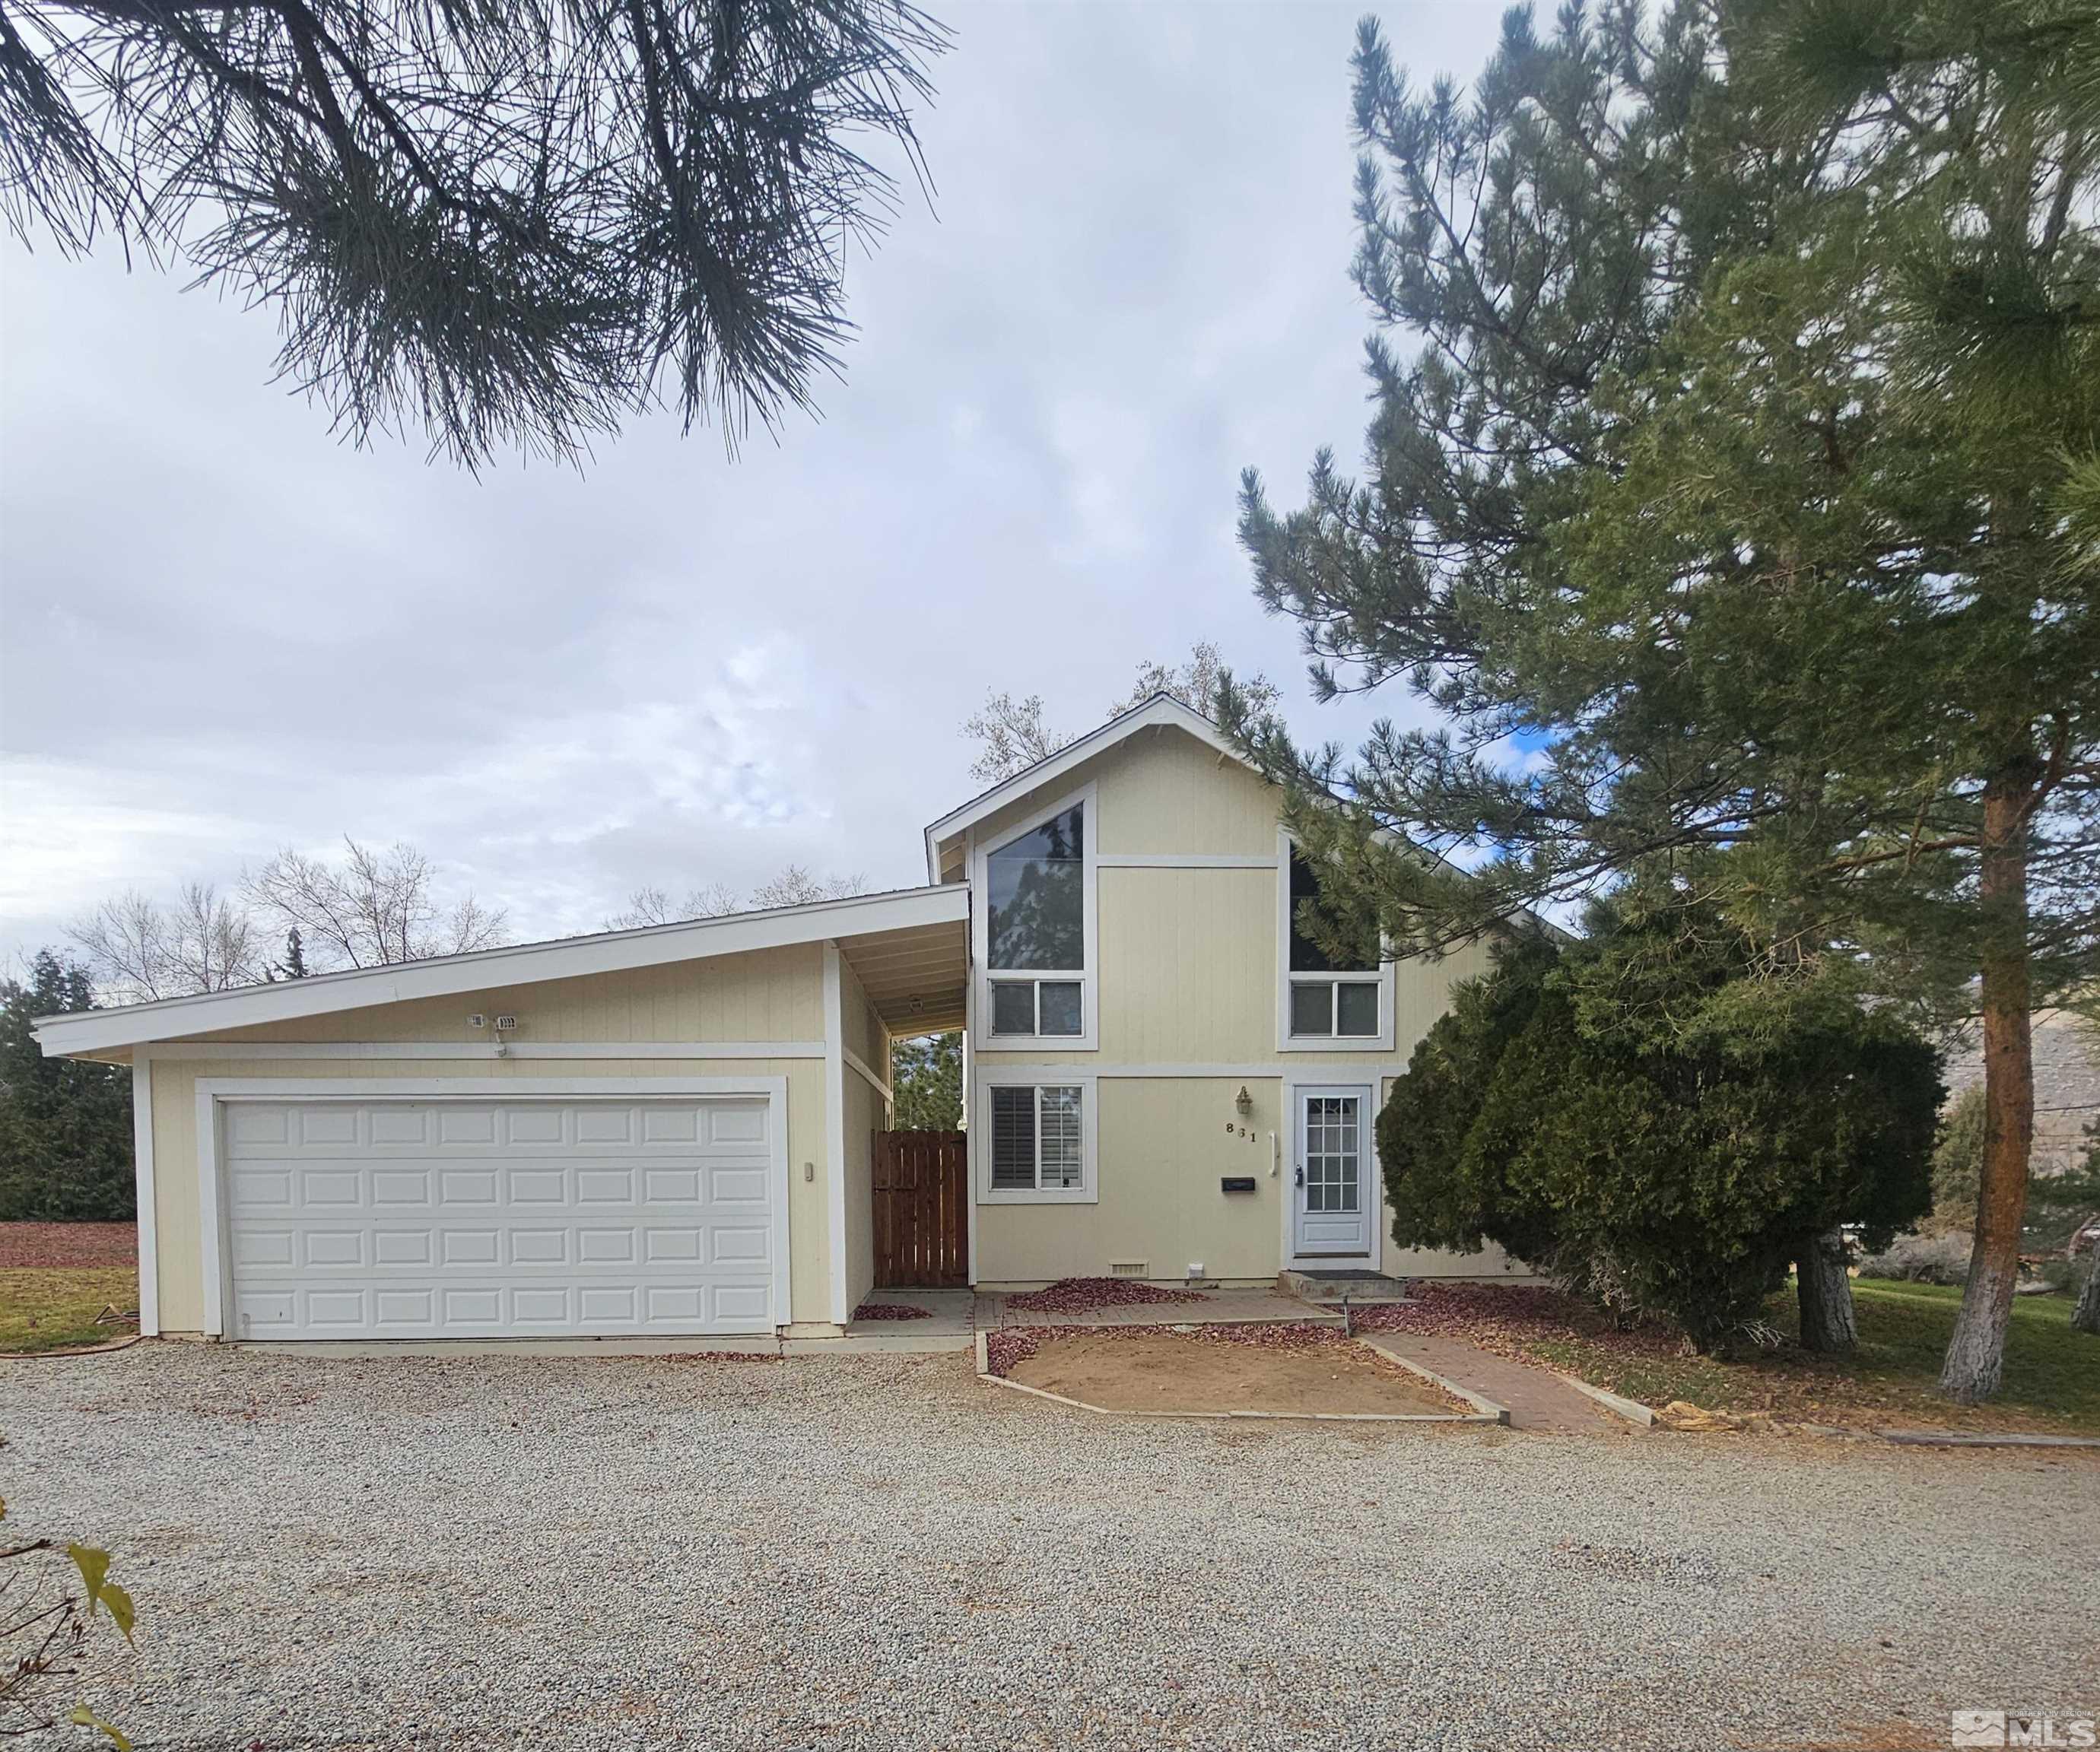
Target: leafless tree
x=795, y=886
x=139, y=950
x=372, y=909
x=1195, y=683
x=1012, y=736
x=654, y=906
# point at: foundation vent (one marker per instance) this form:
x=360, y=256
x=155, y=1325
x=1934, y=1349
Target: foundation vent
x=1127, y=1268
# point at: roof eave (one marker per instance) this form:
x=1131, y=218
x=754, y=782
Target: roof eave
x=569, y=958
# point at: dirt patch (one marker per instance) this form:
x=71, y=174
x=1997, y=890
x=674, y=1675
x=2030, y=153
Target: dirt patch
x=1177, y=1371
x=29, y=1245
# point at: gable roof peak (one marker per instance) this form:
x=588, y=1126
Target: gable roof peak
x=1160, y=708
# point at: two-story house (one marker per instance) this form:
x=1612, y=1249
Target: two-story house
x=674, y=1131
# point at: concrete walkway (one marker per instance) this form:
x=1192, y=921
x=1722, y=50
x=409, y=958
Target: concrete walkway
x=1537, y=1398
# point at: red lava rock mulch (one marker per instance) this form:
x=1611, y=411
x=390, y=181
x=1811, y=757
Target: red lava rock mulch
x=891, y=1311
x=1504, y=1317
x=1077, y=1294
x=1014, y=1344
x=31, y=1245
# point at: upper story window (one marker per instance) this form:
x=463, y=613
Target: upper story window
x=1328, y=1001
x=1035, y=913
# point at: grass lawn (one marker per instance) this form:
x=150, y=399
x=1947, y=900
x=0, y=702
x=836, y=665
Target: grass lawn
x=52, y=1307
x=2052, y=1372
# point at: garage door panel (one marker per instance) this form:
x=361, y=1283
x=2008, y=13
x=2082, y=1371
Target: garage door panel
x=576, y=1216
x=404, y=1247
x=401, y=1187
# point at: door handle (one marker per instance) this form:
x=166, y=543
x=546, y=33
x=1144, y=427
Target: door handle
x=1298, y=1175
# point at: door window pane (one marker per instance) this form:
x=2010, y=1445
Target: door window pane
x=1312, y=1006
x=1013, y=1139
x=1012, y=1007
x=1332, y=1160
x=1060, y=1005
x=1358, y=1009
x=1036, y=902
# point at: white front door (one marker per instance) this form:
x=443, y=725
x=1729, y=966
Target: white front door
x=1332, y=1200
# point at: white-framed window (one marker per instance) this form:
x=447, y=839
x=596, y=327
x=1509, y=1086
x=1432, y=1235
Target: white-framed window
x=1035, y=923
x=1325, y=1003
x=1035, y=1144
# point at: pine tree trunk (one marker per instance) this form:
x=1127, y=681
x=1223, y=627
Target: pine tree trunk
x=2086, y=1315
x=1825, y=1291
x=1976, y=1355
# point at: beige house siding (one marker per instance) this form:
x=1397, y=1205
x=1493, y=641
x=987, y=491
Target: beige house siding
x=1163, y=1147
x=1187, y=975
x=1160, y=792
x=766, y=995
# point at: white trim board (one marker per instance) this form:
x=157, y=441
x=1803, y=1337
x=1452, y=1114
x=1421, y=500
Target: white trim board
x=986, y=1062
x=862, y=1067
x=212, y=1090
x=485, y=970
x=835, y=1124
x=1176, y=860
x=477, y=1052
x=149, y=1218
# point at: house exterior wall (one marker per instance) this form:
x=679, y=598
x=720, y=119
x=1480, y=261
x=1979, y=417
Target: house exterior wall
x=765, y=997
x=1186, y=991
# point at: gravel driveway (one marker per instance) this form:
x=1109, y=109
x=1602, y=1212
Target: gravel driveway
x=879, y=1552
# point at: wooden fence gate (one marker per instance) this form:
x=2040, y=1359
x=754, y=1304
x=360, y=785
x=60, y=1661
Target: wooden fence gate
x=922, y=1221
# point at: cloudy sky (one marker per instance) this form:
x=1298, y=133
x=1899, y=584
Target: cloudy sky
x=223, y=631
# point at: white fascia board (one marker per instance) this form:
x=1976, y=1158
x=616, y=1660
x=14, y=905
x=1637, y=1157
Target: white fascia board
x=569, y=958
x=1161, y=709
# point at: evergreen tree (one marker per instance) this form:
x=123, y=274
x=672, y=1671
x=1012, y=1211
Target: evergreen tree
x=926, y=1077
x=65, y=1124
x=1738, y=510
x=1635, y=1115
x=517, y=224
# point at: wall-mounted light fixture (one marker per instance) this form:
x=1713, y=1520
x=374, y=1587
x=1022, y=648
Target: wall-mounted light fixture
x=1243, y=1102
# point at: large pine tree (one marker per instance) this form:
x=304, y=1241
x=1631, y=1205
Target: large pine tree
x=1733, y=493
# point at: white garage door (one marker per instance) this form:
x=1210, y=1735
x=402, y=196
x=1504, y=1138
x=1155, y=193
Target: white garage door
x=500, y=1219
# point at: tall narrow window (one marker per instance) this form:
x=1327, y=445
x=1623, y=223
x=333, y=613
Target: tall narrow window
x=1329, y=998
x=1035, y=927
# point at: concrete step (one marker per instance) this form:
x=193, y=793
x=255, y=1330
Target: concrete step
x=1329, y=1289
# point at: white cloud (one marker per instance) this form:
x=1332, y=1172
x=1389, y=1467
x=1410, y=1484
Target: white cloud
x=222, y=630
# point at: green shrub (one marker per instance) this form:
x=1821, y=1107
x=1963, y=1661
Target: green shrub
x=1638, y=1115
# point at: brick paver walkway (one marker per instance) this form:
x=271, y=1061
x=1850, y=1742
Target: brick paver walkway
x=1537, y=1400
x=1217, y=1308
